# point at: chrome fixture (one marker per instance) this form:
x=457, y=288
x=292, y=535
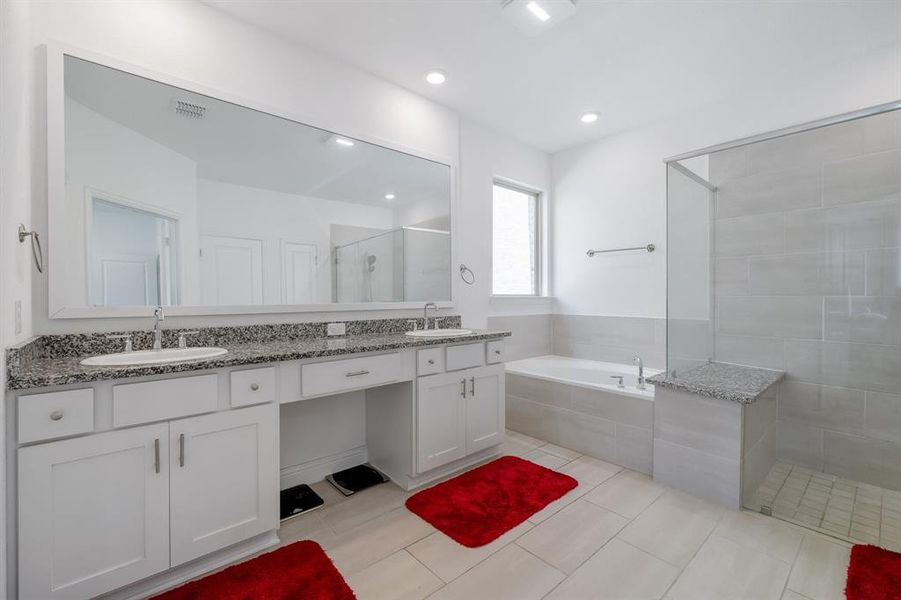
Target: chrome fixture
x=467, y=275
x=37, y=253
x=425, y=314
x=637, y=361
x=157, y=334
x=182, y=342
x=620, y=380
x=648, y=248
x=414, y=323
x=123, y=336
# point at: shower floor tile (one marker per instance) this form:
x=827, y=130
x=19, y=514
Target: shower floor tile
x=856, y=512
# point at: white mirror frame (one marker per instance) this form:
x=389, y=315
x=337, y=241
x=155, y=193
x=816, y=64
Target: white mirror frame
x=56, y=193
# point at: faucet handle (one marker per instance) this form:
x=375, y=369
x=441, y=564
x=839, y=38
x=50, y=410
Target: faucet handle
x=123, y=336
x=414, y=323
x=182, y=342
x=620, y=378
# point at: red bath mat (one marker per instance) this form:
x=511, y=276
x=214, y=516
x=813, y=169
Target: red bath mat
x=479, y=506
x=301, y=570
x=874, y=574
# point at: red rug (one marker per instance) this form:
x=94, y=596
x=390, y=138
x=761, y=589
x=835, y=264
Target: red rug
x=299, y=571
x=479, y=506
x=874, y=574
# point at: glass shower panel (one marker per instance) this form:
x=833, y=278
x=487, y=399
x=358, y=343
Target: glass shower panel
x=806, y=257
x=689, y=324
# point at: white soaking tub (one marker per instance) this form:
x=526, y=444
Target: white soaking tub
x=578, y=404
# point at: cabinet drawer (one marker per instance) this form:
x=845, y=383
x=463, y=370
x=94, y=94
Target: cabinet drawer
x=340, y=375
x=252, y=386
x=56, y=414
x=165, y=399
x=495, y=352
x=430, y=361
x=465, y=356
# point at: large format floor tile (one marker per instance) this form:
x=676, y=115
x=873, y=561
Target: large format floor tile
x=397, y=577
x=765, y=534
x=618, y=571
x=669, y=532
x=819, y=571
x=627, y=494
x=511, y=574
x=722, y=569
x=572, y=535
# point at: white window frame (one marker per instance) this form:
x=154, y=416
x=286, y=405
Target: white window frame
x=542, y=258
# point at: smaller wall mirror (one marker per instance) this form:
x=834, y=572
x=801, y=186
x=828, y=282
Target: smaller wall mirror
x=181, y=199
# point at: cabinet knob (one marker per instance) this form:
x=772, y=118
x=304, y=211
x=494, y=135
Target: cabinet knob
x=497, y=351
x=255, y=386
x=431, y=361
x=56, y=415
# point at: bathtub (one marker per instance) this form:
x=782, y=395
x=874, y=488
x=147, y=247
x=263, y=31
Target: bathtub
x=584, y=373
x=575, y=403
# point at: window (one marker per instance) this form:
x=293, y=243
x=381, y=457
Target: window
x=515, y=241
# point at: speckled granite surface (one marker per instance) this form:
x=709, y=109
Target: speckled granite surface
x=735, y=383
x=54, y=360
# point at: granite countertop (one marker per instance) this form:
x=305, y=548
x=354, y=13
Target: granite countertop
x=735, y=383
x=39, y=371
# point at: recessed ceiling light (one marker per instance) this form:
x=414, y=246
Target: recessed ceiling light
x=389, y=196
x=436, y=77
x=540, y=13
x=344, y=141
x=589, y=117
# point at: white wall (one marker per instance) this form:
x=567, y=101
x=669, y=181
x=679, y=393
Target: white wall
x=613, y=192
x=484, y=155
x=16, y=122
x=200, y=44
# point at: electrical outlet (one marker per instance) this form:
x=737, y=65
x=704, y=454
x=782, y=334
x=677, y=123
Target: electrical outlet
x=337, y=329
x=18, y=317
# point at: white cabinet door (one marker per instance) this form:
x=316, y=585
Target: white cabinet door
x=440, y=419
x=484, y=408
x=93, y=512
x=224, y=481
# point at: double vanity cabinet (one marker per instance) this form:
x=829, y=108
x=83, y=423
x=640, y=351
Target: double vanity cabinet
x=129, y=486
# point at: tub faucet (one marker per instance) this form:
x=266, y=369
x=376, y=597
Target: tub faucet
x=157, y=334
x=637, y=361
x=425, y=314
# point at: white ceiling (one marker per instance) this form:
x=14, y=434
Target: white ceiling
x=635, y=61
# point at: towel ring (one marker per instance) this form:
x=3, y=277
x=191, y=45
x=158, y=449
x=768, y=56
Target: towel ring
x=471, y=278
x=37, y=253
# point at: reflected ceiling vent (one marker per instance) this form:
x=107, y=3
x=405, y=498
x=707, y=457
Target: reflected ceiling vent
x=534, y=17
x=188, y=109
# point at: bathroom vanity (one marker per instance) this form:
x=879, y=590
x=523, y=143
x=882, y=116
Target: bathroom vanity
x=159, y=473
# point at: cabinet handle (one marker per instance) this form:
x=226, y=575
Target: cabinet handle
x=56, y=415
x=431, y=361
x=254, y=386
x=156, y=455
x=472, y=382
x=497, y=351
x=463, y=387
x=181, y=449
x=357, y=373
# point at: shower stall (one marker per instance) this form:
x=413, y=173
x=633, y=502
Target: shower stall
x=784, y=252
x=402, y=264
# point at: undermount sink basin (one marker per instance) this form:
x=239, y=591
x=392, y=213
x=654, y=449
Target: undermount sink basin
x=152, y=357
x=436, y=333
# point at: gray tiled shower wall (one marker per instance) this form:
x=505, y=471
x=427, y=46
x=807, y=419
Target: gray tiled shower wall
x=807, y=279
x=610, y=339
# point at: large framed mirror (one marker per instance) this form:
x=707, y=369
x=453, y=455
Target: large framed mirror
x=161, y=195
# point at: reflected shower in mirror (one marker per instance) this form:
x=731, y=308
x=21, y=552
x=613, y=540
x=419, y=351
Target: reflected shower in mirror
x=177, y=198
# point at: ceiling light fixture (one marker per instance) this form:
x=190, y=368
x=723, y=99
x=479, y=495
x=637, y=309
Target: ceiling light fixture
x=436, y=77
x=540, y=14
x=390, y=196
x=344, y=141
x=589, y=117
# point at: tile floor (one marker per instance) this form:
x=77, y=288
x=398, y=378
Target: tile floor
x=842, y=507
x=618, y=535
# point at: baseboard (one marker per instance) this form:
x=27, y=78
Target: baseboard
x=174, y=577
x=315, y=470
x=411, y=483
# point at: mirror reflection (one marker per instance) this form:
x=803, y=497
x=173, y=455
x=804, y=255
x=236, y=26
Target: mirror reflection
x=185, y=199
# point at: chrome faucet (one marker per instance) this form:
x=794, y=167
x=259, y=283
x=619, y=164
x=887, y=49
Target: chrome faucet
x=637, y=361
x=425, y=314
x=157, y=334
